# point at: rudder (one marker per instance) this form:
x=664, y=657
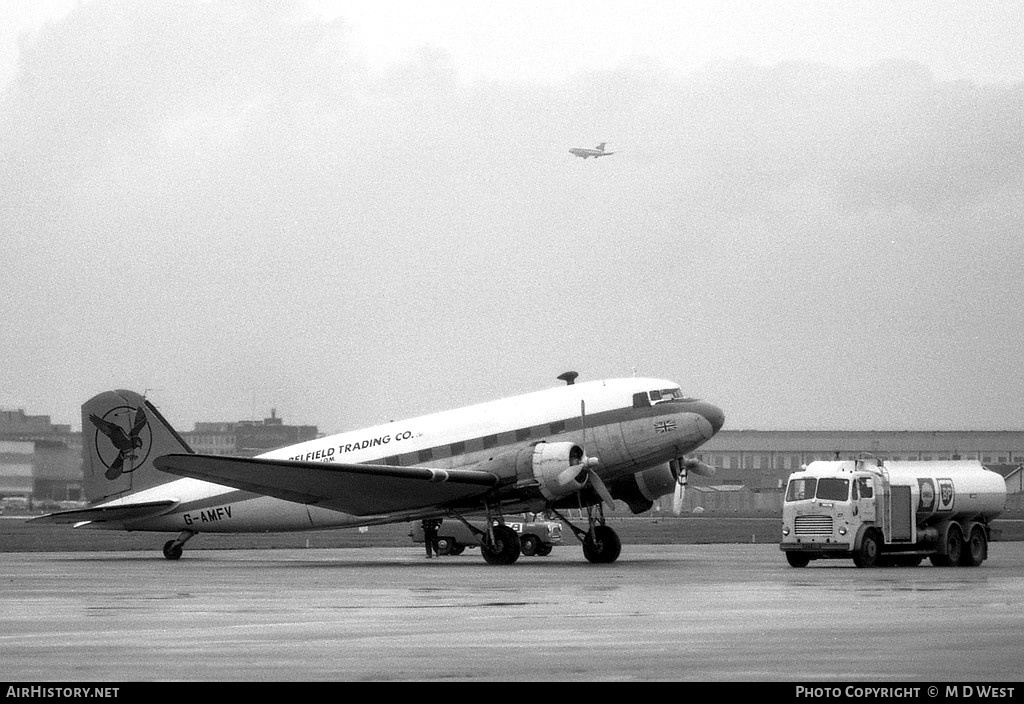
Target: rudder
x=122, y=434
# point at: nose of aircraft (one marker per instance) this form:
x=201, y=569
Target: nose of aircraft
x=712, y=414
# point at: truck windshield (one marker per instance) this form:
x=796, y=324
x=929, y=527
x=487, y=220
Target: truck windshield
x=812, y=488
x=833, y=489
x=801, y=489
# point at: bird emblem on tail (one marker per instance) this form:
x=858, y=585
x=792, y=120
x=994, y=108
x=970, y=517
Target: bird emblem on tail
x=126, y=443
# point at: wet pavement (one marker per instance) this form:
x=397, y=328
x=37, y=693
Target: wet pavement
x=673, y=612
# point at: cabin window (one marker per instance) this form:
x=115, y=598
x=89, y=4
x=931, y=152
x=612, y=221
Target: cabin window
x=640, y=400
x=426, y=455
x=490, y=441
x=557, y=427
x=458, y=448
x=522, y=434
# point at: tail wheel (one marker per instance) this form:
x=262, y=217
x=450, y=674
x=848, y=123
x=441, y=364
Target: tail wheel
x=869, y=551
x=975, y=549
x=602, y=545
x=505, y=549
x=173, y=550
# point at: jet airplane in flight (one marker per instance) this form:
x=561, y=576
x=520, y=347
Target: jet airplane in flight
x=587, y=153
x=579, y=445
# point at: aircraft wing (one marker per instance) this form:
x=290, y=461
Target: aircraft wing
x=120, y=512
x=357, y=489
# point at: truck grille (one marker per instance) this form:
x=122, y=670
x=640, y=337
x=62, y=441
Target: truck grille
x=813, y=525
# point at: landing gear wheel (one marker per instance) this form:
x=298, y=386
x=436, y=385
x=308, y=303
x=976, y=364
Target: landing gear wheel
x=529, y=544
x=797, y=559
x=504, y=550
x=975, y=549
x=868, y=553
x=602, y=545
x=173, y=550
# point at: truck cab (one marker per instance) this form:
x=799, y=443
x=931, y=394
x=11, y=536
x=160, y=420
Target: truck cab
x=820, y=517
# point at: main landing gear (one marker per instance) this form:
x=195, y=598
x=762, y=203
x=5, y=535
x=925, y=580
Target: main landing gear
x=173, y=548
x=601, y=544
x=499, y=544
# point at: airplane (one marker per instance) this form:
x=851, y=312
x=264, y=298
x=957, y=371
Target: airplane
x=595, y=152
x=578, y=445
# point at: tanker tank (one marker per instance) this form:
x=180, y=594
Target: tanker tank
x=952, y=489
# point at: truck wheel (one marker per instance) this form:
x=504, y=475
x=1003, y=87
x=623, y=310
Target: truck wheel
x=529, y=544
x=544, y=549
x=867, y=554
x=975, y=549
x=954, y=549
x=443, y=546
x=457, y=549
x=797, y=559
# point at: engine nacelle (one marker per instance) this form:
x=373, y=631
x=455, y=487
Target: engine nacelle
x=560, y=468
x=640, y=490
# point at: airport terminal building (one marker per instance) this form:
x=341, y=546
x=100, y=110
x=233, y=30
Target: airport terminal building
x=42, y=460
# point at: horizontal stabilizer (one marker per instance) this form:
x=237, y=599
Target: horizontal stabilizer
x=357, y=489
x=118, y=512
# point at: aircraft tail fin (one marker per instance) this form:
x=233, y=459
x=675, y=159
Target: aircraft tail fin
x=122, y=434
x=600, y=147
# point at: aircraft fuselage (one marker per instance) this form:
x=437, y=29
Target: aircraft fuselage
x=630, y=425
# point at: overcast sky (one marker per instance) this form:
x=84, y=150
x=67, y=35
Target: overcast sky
x=358, y=212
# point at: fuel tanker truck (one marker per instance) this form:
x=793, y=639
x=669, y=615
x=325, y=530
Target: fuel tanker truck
x=891, y=513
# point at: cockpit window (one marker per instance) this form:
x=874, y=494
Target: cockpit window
x=661, y=395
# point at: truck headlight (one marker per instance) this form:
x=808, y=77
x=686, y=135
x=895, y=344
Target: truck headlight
x=785, y=530
x=842, y=530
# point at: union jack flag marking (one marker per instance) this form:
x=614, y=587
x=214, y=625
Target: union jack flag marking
x=664, y=426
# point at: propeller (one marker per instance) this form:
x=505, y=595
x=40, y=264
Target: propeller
x=587, y=465
x=681, y=468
